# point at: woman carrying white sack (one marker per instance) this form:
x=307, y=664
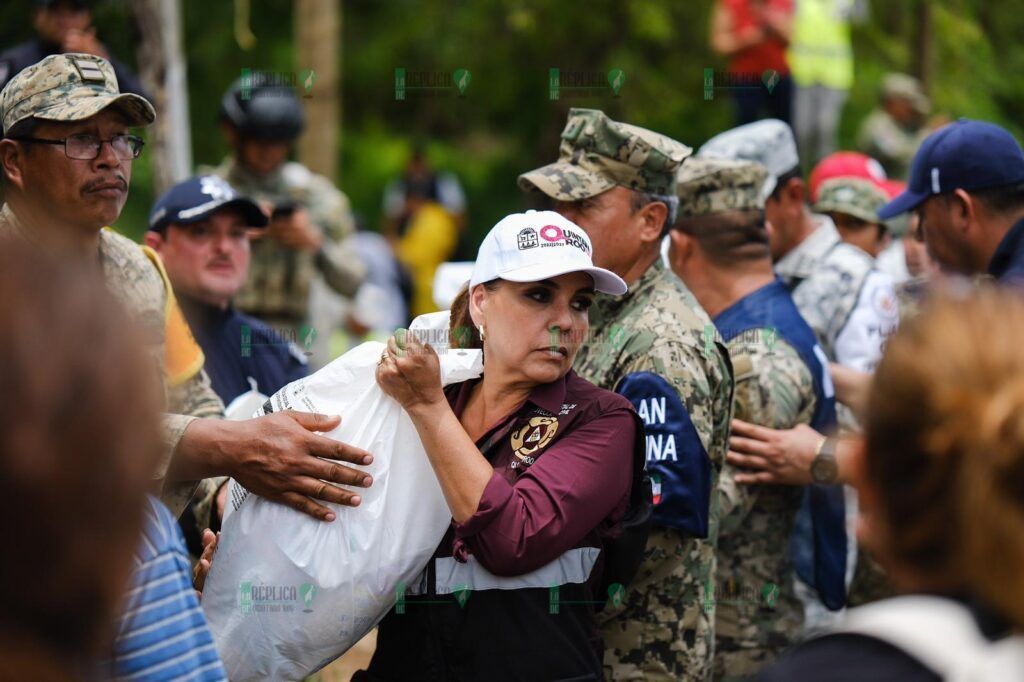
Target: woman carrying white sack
x=534, y=462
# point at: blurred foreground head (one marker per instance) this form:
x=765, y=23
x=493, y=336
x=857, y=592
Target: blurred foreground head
x=944, y=465
x=78, y=445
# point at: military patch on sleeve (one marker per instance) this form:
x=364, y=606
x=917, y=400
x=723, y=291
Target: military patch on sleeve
x=679, y=465
x=88, y=69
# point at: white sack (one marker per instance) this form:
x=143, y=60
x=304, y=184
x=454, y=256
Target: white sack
x=287, y=594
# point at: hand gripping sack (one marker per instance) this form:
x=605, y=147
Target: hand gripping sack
x=287, y=594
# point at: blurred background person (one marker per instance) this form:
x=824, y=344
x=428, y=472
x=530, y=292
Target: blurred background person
x=940, y=474
x=382, y=303
x=753, y=35
x=852, y=204
x=310, y=218
x=893, y=131
x=63, y=26
x=429, y=238
x=821, y=61
x=78, y=448
x=421, y=179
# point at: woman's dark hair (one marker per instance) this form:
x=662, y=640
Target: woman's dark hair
x=462, y=333
x=79, y=442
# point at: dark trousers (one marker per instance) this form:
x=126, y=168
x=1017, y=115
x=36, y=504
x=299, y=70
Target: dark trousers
x=753, y=104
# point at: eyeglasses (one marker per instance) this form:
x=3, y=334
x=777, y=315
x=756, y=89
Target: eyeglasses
x=87, y=147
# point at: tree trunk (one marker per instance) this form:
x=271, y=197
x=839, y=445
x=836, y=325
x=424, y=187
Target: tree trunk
x=923, y=44
x=317, y=60
x=162, y=71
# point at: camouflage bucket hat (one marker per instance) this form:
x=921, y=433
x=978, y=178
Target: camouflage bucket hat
x=711, y=185
x=69, y=87
x=906, y=87
x=598, y=153
x=857, y=197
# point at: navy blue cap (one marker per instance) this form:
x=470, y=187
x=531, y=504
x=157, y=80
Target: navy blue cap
x=966, y=154
x=199, y=197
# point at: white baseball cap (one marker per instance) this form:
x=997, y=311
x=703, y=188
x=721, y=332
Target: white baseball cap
x=536, y=245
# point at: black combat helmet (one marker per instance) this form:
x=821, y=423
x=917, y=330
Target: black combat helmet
x=258, y=109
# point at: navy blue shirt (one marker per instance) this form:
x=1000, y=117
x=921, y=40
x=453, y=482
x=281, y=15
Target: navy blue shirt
x=239, y=348
x=1007, y=265
x=20, y=57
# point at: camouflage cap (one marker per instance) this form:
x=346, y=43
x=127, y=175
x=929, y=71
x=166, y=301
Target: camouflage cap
x=906, y=87
x=857, y=197
x=598, y=153
x=769, y=142
x=69, y=87
x=711, y=185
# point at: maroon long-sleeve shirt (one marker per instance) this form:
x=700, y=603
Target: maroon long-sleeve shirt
x=510, y=593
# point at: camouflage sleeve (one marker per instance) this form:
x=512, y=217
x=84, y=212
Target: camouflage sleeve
x=337, y=259
x=189, y=401
x=663, y=630
x=882, y=138
x=774, y=388
x=204, y=503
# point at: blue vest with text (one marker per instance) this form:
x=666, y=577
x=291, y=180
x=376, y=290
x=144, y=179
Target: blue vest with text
x=819, y=542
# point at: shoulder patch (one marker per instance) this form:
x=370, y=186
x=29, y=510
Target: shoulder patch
x=296, y=175
x=742, y=366
x=679, y=466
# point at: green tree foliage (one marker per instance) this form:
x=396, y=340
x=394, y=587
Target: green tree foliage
x=505, y=122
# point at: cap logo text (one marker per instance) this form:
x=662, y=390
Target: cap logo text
x=527, y=238
x=551, y=233
x=555, y=235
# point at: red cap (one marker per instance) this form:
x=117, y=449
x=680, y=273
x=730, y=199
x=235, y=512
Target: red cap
x=893, y=188
x=845, y=164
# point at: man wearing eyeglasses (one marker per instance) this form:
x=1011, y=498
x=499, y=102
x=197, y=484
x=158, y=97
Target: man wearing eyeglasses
x=66, y=162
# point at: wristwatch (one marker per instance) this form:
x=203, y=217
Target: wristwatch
x=824, y=469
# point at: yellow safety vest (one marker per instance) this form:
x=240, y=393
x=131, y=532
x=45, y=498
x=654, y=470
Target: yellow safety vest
x=821, y=52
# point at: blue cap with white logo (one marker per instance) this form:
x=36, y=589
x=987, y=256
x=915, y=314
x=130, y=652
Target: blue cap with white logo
x=198, y=198
x=968, y=155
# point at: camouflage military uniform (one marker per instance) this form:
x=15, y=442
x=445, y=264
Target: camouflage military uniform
x=850, y=306
x=660, y=631
x=82, y=86
x=882, y=138
x=894, y=146
x=280, y=278
x=757, y=613
x=659, y=327
x=830, y=281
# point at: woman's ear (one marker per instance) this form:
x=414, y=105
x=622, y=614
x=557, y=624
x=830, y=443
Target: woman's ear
x=477, y=303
